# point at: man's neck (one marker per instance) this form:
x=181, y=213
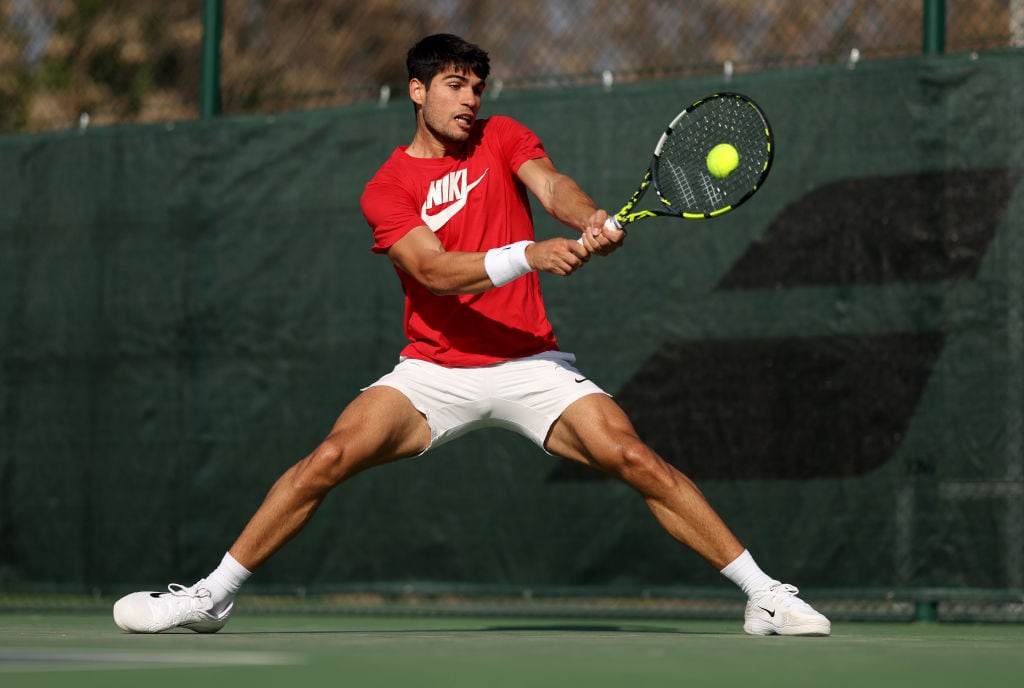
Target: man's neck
x=425, y=145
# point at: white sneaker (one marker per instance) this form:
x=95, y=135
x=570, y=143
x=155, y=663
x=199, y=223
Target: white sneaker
x=179, y=607
x=777, y=610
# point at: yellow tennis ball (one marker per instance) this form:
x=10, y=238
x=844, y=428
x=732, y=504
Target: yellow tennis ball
x=722, y=160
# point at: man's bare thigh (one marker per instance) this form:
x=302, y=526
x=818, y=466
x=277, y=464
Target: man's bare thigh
x=589, y=430
x=381, y=422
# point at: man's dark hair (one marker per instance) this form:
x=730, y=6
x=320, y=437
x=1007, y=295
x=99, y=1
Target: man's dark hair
x=432, y=54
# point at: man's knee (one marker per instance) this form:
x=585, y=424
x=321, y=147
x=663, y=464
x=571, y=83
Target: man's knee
x=324, y=468
x=638, y=465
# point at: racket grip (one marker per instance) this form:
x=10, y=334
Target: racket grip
x=610, y=223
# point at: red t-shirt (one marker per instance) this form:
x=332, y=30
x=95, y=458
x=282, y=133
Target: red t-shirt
x=472, y=203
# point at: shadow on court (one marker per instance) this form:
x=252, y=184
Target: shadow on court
x=504, y=628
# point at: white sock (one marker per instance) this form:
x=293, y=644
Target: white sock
x=225, y=580
x=744, y=572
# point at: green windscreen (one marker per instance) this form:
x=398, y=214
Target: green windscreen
x=839, y=363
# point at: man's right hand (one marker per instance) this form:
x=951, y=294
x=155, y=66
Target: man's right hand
x=557, y=256
x=600, y=235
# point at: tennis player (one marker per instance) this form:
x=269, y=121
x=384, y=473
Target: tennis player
x=452, y=213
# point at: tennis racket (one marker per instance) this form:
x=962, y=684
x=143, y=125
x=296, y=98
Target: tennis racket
x=693, y=183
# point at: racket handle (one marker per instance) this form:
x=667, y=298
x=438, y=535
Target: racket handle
x=610, y=223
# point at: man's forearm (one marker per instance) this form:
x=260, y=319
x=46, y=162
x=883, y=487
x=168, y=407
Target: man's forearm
x=568, y=203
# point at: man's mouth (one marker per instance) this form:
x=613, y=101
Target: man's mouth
x=465, y=120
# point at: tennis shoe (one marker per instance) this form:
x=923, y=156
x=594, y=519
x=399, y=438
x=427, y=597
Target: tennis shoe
x=179, y=607
x=776, y=610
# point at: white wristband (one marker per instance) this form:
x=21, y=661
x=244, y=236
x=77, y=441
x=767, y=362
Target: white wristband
x=507, y=263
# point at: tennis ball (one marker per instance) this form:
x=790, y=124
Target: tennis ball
x=722, y=160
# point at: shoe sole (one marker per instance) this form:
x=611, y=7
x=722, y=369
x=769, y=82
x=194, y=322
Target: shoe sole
x=204, y=626
x=807, y=629
x=198, y=627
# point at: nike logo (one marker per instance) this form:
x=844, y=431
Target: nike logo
x=451, y=187
x=580, y=379
x=769, y=612
x=157, y=595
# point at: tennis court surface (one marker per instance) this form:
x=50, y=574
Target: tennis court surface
x=292, y=651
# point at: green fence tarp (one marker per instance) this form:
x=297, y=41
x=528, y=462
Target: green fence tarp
x=184, y=310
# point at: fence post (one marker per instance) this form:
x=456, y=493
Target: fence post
x=934, y=27
x=209, y=96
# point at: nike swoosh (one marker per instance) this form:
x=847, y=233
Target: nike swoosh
x=436, y=222
x=582, y=379
x=157, y=595
x=769, y=612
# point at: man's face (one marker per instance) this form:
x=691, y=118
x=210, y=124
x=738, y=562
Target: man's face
x=450, y=105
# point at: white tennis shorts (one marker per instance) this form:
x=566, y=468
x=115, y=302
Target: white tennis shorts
x=525, y=395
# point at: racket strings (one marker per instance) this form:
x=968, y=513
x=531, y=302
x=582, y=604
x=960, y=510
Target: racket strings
x=682, y=175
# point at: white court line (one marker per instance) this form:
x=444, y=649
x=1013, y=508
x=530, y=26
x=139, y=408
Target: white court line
x=35, y=660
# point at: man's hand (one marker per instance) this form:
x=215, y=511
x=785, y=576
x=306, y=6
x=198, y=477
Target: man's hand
x=598, y=236
x=558, y=256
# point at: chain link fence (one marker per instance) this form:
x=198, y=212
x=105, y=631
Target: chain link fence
x=66, y=62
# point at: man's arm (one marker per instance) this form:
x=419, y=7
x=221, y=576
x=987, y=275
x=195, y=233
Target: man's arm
x=565, y=201
x=421, y=255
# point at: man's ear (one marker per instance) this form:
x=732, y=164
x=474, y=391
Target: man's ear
x=417, y=91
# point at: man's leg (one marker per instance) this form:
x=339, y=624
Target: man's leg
x=596, y=431
x=379, y=426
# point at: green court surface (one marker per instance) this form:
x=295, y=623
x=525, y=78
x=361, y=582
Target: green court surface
x=293, y=651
